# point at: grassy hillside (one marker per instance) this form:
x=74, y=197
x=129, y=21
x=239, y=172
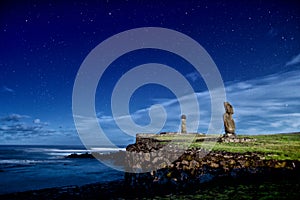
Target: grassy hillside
x=276, y=146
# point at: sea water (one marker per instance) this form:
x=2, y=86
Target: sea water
x=25, y=168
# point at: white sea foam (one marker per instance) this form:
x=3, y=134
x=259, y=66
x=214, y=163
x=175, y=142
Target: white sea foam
x=26, y=162
x=60, y=153
x=65, y=152
x=107, y=149
x=98, y=149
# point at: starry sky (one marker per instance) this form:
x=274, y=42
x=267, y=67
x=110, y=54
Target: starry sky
x=254, y=44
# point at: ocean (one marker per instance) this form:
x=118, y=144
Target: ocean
x=25, y=168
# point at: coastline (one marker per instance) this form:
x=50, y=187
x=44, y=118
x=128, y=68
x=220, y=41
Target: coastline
x=283, y=185
x=217, y=175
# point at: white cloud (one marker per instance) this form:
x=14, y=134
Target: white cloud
x=262, y=105
x=269, y=106
x=37, y=121
x=88, y=129
x=15, y=128
x=295, y=60
x=194, y=76
x=14, y=117
x=6, y=89
x=243, y=85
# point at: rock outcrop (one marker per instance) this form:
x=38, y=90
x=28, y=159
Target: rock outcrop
x=194, y=165
x=227, y=139
x=84, y=155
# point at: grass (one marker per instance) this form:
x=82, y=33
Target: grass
x=276, y=146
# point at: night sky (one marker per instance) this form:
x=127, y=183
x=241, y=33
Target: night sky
x=254, y=44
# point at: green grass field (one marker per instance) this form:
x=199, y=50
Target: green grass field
x=276, y=146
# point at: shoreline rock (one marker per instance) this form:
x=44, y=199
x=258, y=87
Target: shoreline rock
x=189, y=169
x=166, y=165
x=83, y=155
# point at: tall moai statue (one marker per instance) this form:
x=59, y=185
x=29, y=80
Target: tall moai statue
x=183, y=124
x=228, y=121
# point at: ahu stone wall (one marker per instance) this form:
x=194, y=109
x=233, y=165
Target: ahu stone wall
x=170, y=165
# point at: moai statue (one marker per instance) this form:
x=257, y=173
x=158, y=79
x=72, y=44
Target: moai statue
x=228, y=121
x=183, y=124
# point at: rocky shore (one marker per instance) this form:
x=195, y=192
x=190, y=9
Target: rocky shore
x=196, y=166
x=194, y=173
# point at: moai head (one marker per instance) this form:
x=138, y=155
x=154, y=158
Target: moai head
x=228, y=108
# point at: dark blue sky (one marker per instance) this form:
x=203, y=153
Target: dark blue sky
x=254, y=44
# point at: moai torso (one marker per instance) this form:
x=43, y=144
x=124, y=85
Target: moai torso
x=183, y=124
x=228, y=120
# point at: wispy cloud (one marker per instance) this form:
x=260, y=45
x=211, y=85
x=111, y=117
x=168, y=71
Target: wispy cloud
x=295, y=60
x=88, y=129
x=263, y=105
x=14, y=117
x=193, y=76
x=6, y=89
x=15, y=128
x=268, y=104
x=38, y=121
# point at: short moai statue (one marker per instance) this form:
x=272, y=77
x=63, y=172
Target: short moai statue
x=183, y=124
x=229, y=124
